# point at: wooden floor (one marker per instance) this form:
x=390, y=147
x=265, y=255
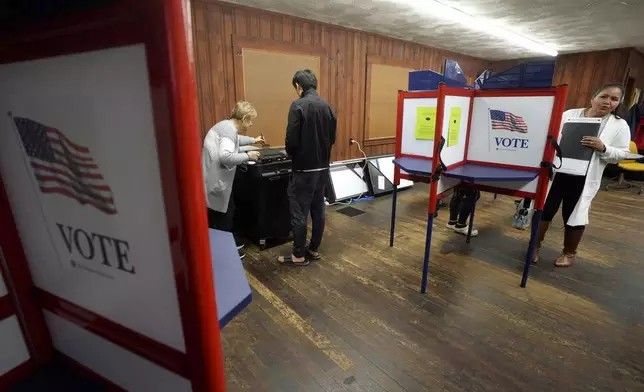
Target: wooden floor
x=355, y=320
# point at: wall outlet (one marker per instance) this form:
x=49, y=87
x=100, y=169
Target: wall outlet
x=350, y=141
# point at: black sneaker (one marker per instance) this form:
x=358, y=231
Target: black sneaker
x=240, y=246
x=242, y=254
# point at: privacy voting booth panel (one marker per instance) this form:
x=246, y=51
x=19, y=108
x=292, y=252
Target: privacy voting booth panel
x=482, y=130
x=3, y=289
x=418, y=123
x=508, y=129
x=500, y=141
x=518, y=125
x=455, y=108
x=13, y=353
x=82, y=244
x=100, y=163
x=511, y=131
x=417, y=128
x=103, y=248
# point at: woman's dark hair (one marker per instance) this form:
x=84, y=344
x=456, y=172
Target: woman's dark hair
x=306, y=79
x=620, y=108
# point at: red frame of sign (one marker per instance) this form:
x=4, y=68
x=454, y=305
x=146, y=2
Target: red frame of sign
x=163, y=27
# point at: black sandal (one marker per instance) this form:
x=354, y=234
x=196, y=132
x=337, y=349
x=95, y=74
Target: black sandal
x=288, y=260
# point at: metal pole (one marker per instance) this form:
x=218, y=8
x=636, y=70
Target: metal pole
x=428, y=244
x=393, y=217
x=536, y=221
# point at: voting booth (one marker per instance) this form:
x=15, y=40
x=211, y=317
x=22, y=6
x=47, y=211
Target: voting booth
x=500, y=141
x=14, y=353
x=107, y=260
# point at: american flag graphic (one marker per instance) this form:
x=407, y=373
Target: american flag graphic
x=506, y=121
x=64, y=167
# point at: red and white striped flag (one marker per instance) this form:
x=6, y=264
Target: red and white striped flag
x=506, y=121
x=63, y=167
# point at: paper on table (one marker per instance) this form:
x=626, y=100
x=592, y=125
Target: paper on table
x=425, y=123
x=454, y=126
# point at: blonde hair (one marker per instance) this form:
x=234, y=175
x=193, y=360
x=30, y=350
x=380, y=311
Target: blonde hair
x=243, y=111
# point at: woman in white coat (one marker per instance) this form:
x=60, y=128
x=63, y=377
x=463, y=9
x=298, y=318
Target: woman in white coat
x=577, y=192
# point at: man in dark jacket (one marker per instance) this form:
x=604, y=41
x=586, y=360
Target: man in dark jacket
x=309, y=136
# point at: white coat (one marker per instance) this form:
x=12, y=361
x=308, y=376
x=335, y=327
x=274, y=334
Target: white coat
x=616, y=135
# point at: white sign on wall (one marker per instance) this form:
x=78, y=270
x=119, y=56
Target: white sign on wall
x=510, y=130
x=79, y=161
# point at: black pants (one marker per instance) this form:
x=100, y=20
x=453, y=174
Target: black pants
x=306, y=196
x=566, y=189
x=223, y=221
x=461, y=205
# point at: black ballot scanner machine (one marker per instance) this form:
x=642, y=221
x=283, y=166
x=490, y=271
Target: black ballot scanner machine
x=260, y=190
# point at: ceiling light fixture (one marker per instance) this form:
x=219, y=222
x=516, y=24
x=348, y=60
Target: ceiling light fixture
x=443, y=11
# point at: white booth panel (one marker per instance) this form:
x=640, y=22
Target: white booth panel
x=94, y=231
x=121, y=367
x=455, y=153
x=13, y=350
x=510, y=130
x=3, y=287
x=409, y=143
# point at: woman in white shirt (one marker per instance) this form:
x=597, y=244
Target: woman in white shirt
x=577, y=192
x=220, y=159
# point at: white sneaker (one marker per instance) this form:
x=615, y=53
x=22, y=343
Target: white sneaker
x=450, y=226
x=463, y=230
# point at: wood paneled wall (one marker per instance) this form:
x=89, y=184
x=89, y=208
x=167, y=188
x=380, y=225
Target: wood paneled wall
x=218, y=25
x=584, y=72
x=635, y=69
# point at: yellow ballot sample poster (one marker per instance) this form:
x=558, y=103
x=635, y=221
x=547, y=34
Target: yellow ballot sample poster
x=454, y=126
x=425, y=123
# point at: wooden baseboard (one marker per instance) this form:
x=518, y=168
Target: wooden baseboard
x=379, y=142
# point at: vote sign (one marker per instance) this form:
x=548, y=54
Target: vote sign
x=79, y=162
x=510, y=130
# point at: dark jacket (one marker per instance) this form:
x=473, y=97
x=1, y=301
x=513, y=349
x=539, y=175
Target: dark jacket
x=310, y=132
